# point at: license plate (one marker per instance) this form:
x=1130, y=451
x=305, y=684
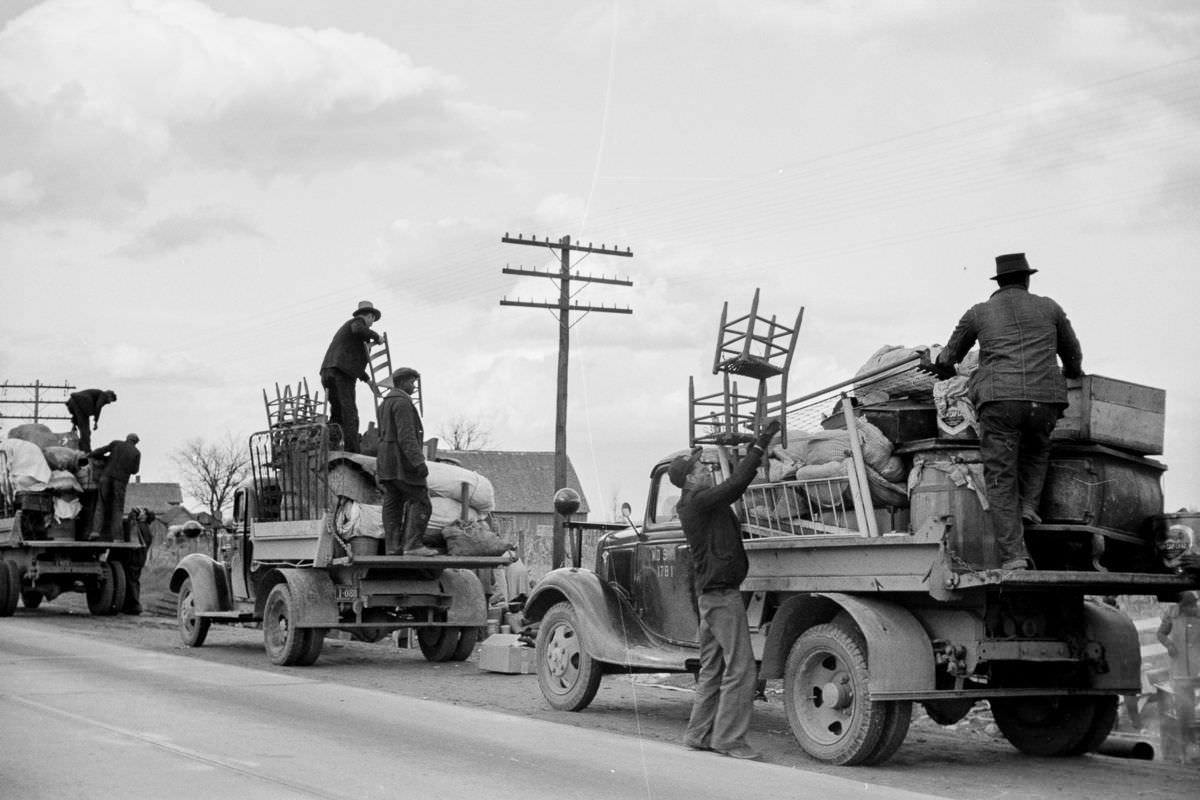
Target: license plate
x=347, y=592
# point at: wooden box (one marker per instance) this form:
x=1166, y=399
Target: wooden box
x=899, y=420
x=1116, y=413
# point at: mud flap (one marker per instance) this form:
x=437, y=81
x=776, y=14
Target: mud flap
x=468, y=607
x=1113, y=648
x=312, y=596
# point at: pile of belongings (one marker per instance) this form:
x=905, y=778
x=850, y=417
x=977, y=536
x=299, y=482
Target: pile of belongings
x=956, y=417
x=35, y=460
x=462, y=502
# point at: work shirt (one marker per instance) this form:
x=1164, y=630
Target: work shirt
x=348, y=351
x=1020, y=336
x=401, y=440
x=713, y=532
x=88, y=402
x=124, y=459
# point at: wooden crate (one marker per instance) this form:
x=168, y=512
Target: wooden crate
x=1116, y=413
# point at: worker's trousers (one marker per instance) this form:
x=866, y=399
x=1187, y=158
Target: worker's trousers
x=406, y=510
x=725, y=686
x=1014, y=437
x=343, y=409
x=83, y=423
x=110, y=509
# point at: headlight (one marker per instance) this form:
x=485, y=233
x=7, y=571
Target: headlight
x=1173, y=543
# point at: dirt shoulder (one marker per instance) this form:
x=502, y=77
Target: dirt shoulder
x=968, y=760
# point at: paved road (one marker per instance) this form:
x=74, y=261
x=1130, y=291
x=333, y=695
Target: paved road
x=82, y=718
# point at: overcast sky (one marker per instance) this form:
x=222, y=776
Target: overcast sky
x=195, y=195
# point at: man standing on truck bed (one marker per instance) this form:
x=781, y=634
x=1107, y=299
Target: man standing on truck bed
x=346, y=363
x=124, y=460
x=725, y=685
x=1019, y=393
x=85, y=406
x=401, y=469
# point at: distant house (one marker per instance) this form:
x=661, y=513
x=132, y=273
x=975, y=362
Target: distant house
x=524, y=487
x=161, y=498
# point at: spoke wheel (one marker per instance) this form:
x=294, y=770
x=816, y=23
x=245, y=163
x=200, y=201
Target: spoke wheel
x=569, y=678
x=825, y=691
x=10, y=587
x=193, y=629
x=468, y=638
x=438, y=644
x=1055, y=726
x=285, y=644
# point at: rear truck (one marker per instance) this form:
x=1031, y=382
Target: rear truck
x=865, y=596
x=286, y=567
x=42, y=557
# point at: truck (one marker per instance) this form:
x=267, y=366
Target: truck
x=287, y=567
x=43, y=555
x=865, y=596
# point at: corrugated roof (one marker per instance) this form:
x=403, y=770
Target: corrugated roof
x=523, y=480
x=158, y=497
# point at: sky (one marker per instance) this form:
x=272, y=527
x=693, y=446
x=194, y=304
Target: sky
x=195, y=195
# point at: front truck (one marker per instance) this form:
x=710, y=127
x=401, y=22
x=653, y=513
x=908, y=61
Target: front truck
x=865, y=597
x=287, y=567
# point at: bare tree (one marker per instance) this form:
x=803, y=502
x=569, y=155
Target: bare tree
x=212, y=470
x=460, y=433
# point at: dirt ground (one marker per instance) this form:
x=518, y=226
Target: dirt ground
x=968, y=760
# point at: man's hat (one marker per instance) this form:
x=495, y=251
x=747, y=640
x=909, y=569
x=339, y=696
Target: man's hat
x=365, y=307
x=133, y=438
x=681, y=467
x=402, y=373
x=1012, y=264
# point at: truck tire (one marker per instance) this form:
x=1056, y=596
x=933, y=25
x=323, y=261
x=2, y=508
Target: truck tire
x=193, y=629
x=102, y=590
x=10, y=587
x=895, y=731
x=825, y=692
x=120, y=587
x=312, y=647
x=568, y=677
x=438, y=644
x=284, y=642
x=1055, y=726
x=467, y=640
x=32, y=598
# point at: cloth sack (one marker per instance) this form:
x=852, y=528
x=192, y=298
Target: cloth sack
x=955, y=412
x=446, y=480
x=473, y=539
x=27, y=467
x=446, y=511
x=358, y=519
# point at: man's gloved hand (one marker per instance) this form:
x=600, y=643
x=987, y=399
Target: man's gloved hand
x=768, y=433
x=422, y=470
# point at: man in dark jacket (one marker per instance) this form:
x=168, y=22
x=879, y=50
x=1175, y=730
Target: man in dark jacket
x=401, y=469
x=137, y=530
x=1019, y=394
x=85, y=406
x=346, y=363
x=124, y=460
x=726, y=683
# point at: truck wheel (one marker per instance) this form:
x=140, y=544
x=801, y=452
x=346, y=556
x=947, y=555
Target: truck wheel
x=1054, y=726
x=193, y=629
x=825, y=691
x=32, y=598
x=312, y=647
x=120, y=586
x=467, y=640
x=285, y=643
x=567, y=675
x=10, y=587
x=895, y=730
x=438, y=644
x=102, y=590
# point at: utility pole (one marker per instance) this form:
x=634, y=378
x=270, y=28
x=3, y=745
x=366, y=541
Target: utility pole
x=562, y=250
x=34, y=399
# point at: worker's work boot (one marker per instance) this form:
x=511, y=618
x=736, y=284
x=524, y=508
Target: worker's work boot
x=1030, y=517
x=742, y=751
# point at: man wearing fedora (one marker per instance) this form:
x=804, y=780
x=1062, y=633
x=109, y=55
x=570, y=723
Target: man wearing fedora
x=401, y=470
x=346, y=363
x=1019, y=393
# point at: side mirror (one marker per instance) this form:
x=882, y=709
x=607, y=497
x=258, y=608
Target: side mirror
x=626, y=511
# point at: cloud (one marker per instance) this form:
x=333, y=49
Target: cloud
x=98, y=97
x=186, y=230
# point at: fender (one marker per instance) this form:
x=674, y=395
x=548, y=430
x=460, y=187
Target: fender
x=899, y=654
x=609, y=631
x=210, y=582
x=1121, y=648
x=468, y=606
x=313, y=596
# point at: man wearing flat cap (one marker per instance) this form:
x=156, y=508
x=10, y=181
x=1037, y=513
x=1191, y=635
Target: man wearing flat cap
x=346, y=363
x=401, y=470
x=124, y=461
x=725, y=685
x=1019, y=392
